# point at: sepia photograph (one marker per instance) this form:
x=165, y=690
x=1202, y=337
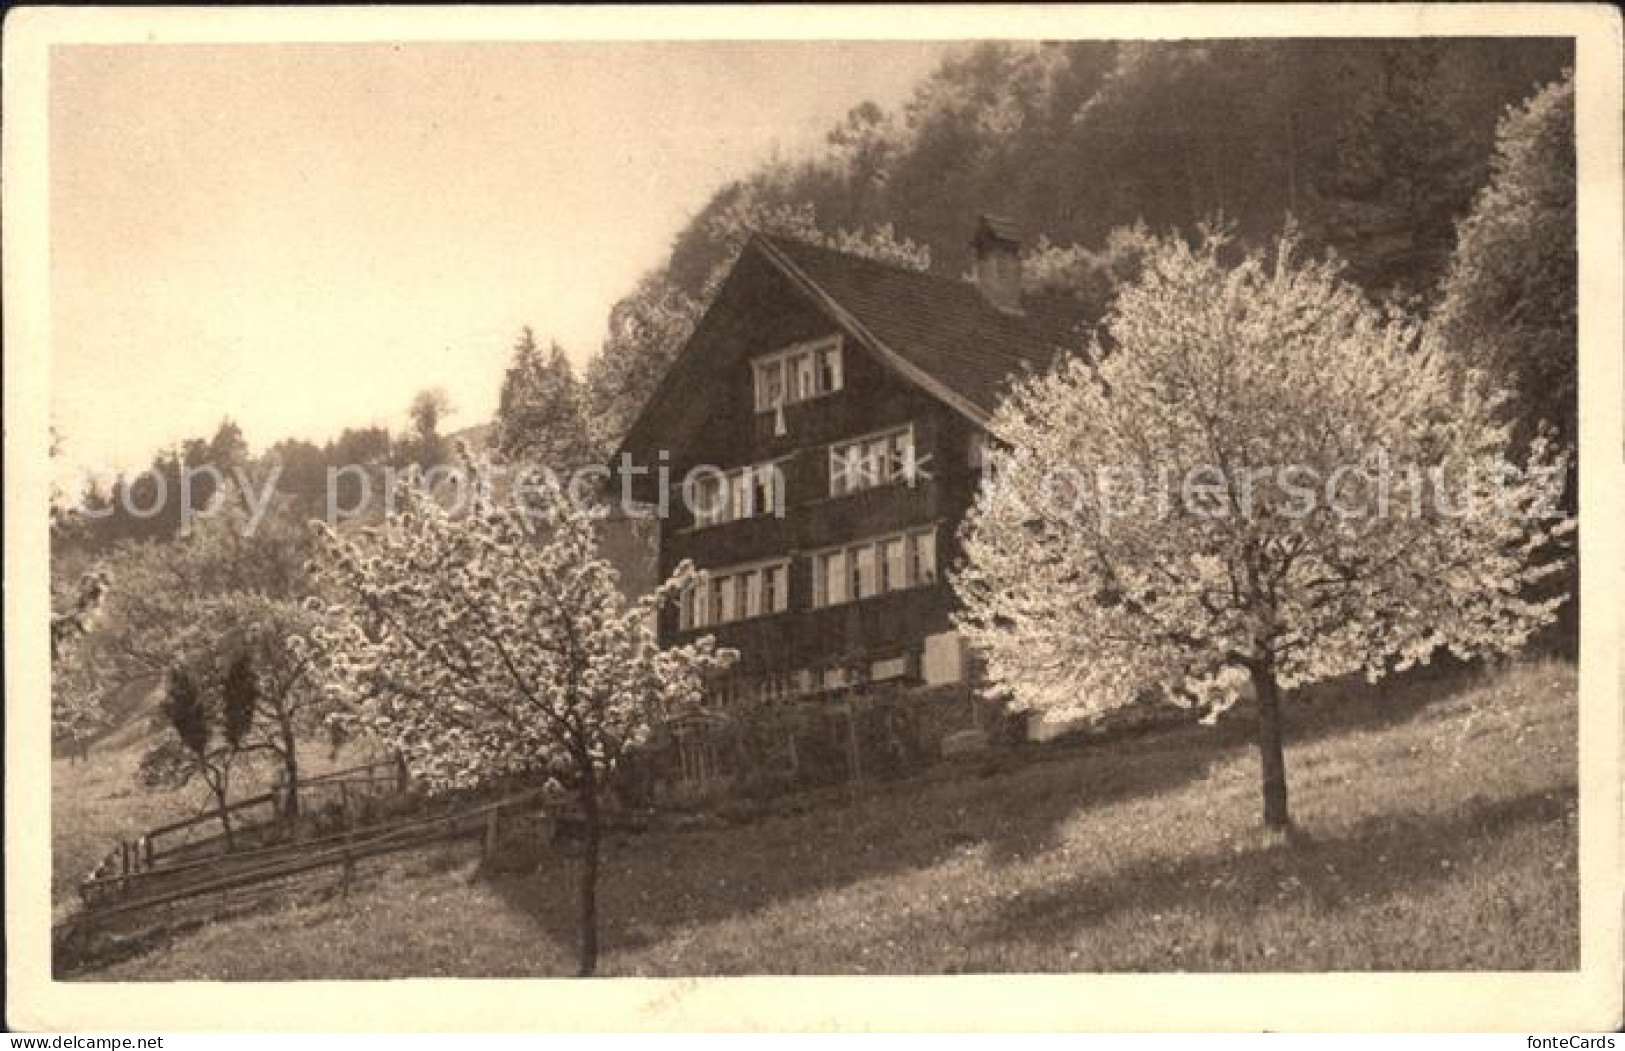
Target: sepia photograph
x=1058, y=500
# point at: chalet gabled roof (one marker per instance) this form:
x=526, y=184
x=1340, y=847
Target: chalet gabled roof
x=936, y=332
x=949, y=338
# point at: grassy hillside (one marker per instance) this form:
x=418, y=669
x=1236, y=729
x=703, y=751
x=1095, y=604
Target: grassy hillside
x=1438, y=822
x=96, y=803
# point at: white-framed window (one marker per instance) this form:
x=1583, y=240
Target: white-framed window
x=829, y=578
x=769, y=384
x=863, y=571
x=775, y=588
x=874, y=567
x=924, y=546
x=799, y=373
x=730, y=496
x=766, y=489
x=722, y=599
x=890, y=668
x=872, y=460
x=735, y=593
x=709, y=499
x=830, y=378
x=893, y=563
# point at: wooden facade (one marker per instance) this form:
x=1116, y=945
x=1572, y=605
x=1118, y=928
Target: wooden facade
x=708, y=414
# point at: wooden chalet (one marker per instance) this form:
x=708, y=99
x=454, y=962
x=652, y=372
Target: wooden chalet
x=828, y=416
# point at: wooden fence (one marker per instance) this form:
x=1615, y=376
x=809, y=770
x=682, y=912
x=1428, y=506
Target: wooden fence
x=192, y=840
x=165, y=885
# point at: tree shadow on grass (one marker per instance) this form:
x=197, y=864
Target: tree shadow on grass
x=655, y=884
x=1379, y=859
x=1012, y=805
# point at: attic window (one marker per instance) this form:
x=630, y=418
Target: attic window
x=806, y=370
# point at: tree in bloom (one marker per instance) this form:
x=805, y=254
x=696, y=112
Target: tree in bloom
x=77, y=711
x=72, y=617
x=1267, y=482
x=490, y=643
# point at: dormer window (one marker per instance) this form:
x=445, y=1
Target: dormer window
x=799, y=373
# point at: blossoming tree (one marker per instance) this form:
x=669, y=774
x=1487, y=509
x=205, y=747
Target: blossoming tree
x=491, y=642
x=1264, y=483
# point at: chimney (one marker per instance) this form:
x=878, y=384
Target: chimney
x=998, y=262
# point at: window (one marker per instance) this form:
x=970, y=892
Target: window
x=764, y=495
x=864, y=463
x=710, y=499
x=769, y=384
x=831, y=578
x=863, y=572
x=925, y=557
x=829, y=368
x=806, y=385
x=746, y=492
x=890, y=668
x=875, y=458
x=874, y=567
x=722, y=591
x=735, y=594
x=900, y=456
x=894, y=564
x=804, y=371
x=776, y=589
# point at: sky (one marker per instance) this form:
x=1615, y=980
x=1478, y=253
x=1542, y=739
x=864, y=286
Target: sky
x=302, y=236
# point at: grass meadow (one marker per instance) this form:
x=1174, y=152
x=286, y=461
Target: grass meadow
x=1437, y=831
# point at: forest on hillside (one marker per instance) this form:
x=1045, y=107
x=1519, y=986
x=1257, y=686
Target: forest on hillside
x=1376, y=150
x=1376, y=147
